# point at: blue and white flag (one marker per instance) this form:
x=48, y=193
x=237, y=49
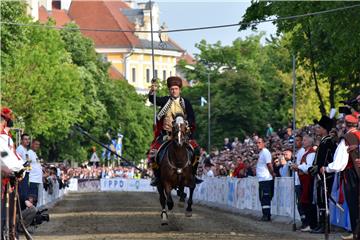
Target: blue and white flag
x=203, y=101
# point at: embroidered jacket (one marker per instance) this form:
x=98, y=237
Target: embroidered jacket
x=165, y=103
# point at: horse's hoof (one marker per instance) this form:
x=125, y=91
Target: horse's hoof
x=164, y=218
x=188, y=214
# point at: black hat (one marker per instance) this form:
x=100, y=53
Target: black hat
x=325, y=122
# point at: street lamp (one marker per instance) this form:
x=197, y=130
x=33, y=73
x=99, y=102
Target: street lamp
x=209, y=107
x=220, y=70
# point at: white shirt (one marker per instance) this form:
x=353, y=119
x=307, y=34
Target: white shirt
x=299, y=155
x=22, y=152
x=262, y=171
x=309, y=162
x=341, y=158
x=210, y=173
x=36, y=173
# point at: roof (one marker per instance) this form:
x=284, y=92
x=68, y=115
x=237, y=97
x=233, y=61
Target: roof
x=187, y=58
x=60, y=16
x=114, y=73
x=105, y=14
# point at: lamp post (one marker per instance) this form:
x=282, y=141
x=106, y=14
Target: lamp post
x=209, y=116
x=209, y=106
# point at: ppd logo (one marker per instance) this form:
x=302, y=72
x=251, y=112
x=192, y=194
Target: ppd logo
x=115, y=184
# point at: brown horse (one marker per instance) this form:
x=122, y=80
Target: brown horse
x=176, y=168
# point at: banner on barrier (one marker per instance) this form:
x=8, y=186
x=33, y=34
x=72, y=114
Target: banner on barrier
x=128, y=185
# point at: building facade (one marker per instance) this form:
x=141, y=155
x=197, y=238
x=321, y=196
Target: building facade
x=128, y=52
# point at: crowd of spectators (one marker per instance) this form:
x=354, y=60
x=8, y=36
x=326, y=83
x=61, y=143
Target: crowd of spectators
x=93, y=172
x=238, y=158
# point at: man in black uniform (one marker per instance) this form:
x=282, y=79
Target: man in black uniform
x=324, y=156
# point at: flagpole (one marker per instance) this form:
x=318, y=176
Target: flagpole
x=153, y=60
x=294, y=128
x=209, y=116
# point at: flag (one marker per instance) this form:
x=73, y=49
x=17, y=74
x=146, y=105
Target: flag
x=203, y=101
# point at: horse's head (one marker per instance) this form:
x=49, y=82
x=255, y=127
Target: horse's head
x=180, y=129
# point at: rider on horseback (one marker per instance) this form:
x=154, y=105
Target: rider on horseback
x=170, y=107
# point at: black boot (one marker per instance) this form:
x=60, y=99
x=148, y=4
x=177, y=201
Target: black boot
x=156, y=178
x=321, y=228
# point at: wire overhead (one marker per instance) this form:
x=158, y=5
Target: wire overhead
x=184, y=29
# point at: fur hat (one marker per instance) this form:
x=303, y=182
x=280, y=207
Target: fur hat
x=325, y=122
x=174, y=81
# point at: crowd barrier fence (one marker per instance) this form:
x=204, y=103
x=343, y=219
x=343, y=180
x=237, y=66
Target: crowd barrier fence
x=235, y=193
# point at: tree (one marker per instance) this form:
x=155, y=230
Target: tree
x=326, y=44
x=42, y=86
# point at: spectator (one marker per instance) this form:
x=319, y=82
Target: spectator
x=235, y=143
x=227, y=144
x=269, y=130
x=208, y=169
x=36, y=173
x=22, y=151
x=265, y=175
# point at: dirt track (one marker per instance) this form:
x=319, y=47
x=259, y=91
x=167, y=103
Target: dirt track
x=137, y=216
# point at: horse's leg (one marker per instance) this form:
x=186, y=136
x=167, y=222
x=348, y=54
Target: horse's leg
x=188, y=212
x=164, y=216
x=182, y=196
x=169, y=200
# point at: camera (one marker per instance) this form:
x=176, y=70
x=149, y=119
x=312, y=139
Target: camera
x=345, y=110
x=40, y=217
x=351, y=103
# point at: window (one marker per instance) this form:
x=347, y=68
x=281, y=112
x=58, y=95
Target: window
x=133, y=74
x=156, y=73
x=164, y=75
x=147, y=75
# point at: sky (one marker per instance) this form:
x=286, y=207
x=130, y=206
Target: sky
x=188, y=14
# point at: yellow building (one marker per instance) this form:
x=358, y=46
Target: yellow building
x=128, y=52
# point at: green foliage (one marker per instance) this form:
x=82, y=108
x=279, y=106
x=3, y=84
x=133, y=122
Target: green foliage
x=42, y=86
x=254, y=89
x=327, y=45
x=54, y=79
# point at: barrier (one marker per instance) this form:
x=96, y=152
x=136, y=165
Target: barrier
x=230, y=192
x=126, y=185
x=243, y=194
x=45, y=198
x=88, y=185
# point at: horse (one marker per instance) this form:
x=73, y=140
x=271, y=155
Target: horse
x=176, y=168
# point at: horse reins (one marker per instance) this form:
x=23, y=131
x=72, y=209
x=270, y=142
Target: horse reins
x=179, y=170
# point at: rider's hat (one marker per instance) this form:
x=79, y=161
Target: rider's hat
x=174, y=81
